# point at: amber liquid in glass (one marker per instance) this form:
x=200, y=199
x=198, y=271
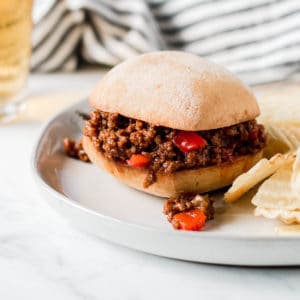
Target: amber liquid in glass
x=15, y=47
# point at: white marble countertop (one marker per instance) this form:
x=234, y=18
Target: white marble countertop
x=43, y=257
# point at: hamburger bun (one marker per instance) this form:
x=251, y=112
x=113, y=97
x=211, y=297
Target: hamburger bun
x=180, y=91
x=177, y=90
x=198, y=180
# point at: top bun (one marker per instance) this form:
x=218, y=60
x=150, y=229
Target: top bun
x=177, y=90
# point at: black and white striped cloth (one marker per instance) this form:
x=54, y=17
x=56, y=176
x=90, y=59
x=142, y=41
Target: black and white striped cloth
x=259, y=40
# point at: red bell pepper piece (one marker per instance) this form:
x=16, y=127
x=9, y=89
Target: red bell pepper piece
x=139, y=160
x=253, y=135
x=188, y=141
x=193, y=219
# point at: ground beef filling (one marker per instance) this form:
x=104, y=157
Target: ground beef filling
x=185, y=202
x=119, y=137
x=75, y=149
x=178, y=207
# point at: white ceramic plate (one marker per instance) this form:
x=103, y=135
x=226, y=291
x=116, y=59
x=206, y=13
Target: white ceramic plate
x=99, y=204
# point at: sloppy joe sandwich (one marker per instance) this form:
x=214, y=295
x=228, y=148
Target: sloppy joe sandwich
x=171, y=122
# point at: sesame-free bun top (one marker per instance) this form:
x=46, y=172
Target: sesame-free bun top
x=177, y=90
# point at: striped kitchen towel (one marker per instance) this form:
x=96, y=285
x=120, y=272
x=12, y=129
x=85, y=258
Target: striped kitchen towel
x=259, y=40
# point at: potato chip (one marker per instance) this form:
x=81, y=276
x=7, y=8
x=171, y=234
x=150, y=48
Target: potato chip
x=293, y=135
x=295, y=180
x=279, y=196
x=263, y=169
x=280, y=114
x=281, y=139
x=276, y=193
x=288, y=230
x=279, y=104
x=286, y=216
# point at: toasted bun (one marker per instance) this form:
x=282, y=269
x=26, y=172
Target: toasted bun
x=195, y=180
x=177, y=90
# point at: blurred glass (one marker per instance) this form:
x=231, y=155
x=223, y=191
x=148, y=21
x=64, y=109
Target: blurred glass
x=15, y=50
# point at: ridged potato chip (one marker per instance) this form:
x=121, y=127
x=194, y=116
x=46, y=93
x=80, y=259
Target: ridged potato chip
x=286, y=216
x=280, y=114
x=295, y=180
x=279, y=196
x=282, y=139
x=276, y=193
x=288, y=229
x=279, y=104
x=263, y=169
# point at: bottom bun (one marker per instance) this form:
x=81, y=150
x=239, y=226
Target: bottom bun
x=198, y=180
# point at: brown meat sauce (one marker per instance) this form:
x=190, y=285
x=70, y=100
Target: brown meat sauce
x=186, y=201
x=75, y=149
x=118, y=137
